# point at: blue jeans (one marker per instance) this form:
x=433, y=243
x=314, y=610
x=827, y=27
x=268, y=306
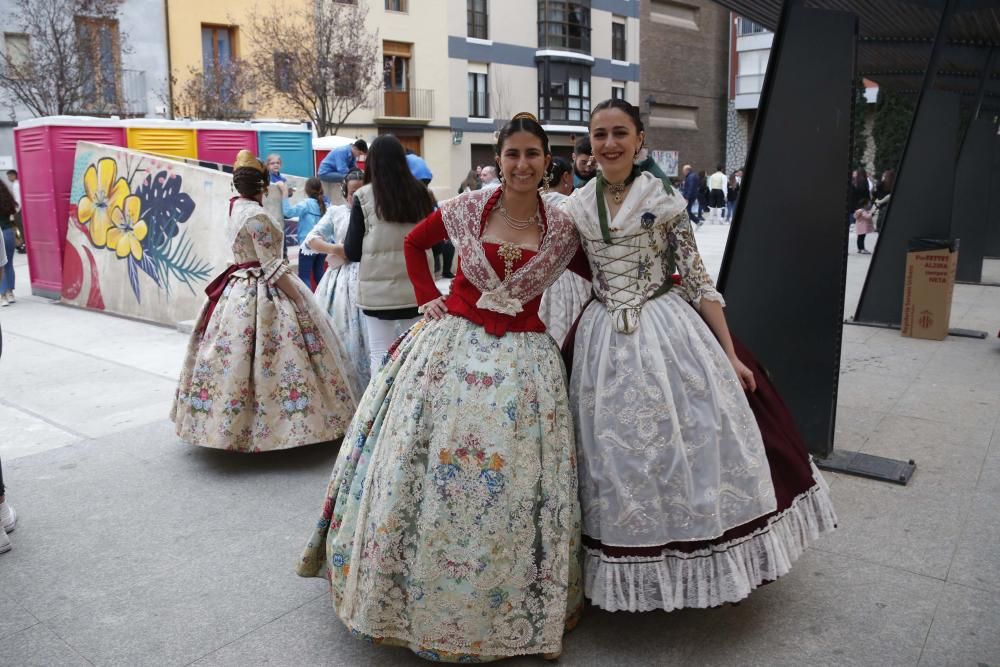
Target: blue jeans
x=7, y=283
x=311, y=267
x=730, y=209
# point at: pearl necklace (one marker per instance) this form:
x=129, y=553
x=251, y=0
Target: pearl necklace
x=518, y=224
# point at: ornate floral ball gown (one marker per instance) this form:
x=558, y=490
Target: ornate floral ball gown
x=337, y=293
x=259, y=374
x=451, y=522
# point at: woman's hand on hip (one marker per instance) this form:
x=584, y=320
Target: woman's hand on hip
x=436, y=309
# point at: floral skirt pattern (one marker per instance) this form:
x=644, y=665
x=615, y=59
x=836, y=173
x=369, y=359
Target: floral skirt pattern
x=562, y=303
x=337, y=294
x=451, y=523
x=263, y=376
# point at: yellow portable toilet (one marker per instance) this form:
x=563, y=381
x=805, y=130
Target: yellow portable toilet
x=173, y=138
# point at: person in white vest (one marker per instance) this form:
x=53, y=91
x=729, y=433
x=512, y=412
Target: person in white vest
x=390, y=203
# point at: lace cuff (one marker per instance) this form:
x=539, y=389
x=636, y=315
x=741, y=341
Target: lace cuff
x=499, y=301
x=706, y=293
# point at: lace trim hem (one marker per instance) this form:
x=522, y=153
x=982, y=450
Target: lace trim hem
x=721, y=573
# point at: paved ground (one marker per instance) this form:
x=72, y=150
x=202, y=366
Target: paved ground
x=135, y=549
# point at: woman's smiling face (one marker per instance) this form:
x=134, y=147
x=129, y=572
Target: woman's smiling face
x=522, y=162
x=615, y=140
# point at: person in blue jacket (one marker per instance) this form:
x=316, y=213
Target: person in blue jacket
x=340, y=161
x=312, y=264
x=689, y=190
x=418, y=167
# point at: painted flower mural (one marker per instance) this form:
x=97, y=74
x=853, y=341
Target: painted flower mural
x=141, y=224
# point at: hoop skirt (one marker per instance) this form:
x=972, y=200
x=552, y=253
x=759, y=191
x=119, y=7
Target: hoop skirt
x=259, y=374
x=691, y=495
x=337, y=294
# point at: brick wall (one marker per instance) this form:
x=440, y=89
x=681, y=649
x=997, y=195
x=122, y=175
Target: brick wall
x=685, y=67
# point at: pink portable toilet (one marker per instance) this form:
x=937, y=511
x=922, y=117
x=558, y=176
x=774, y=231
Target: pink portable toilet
x=46, y=152
x=220, y=141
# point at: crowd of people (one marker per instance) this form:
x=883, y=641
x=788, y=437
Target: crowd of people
x=571, y=421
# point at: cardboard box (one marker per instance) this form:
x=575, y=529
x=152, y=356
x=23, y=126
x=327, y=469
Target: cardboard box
x=928, y=288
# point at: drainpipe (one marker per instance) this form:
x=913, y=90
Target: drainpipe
x=170, y=68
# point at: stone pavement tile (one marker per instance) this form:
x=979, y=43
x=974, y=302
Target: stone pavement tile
x=231, y=583
x=23, y=434
x=38, y=647
x=146, y=346
x=856, y=335
x=313, y=635
x=913, y=527
x=957, y=404
x=966, y=361
x=964, y=631
x=830, y=610
x=888, y=354
x=91, y=524
x=989, y=477
x=855, y=426
x=977, y=558
x=861, y=389
x=13, y=617
x=106, y=400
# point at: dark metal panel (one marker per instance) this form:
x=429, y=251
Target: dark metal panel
x=972, y=199
x=992, y=248
x=920, y=206
x=785, y=295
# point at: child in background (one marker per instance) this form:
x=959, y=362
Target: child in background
x=312, y=264
x=864, y=224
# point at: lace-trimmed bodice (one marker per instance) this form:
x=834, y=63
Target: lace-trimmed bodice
x=645, y=243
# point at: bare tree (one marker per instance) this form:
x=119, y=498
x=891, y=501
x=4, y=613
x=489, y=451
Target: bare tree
x=67, y=57
x=223, y=91
x=502, y=95
x=325, y=66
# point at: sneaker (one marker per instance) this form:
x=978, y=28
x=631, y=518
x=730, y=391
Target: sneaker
x=3, y=301
x=5, y=544
x=10, y=297
x=8, y=517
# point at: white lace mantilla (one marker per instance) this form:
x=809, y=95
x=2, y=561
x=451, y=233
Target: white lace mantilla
x=463, y=217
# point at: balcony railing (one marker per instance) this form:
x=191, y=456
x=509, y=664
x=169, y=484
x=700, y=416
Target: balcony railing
x=127, y=97
x=748, y=27
x=415, y=103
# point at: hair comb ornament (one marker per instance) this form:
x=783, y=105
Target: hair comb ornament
x=524, y=115
x=246, y=159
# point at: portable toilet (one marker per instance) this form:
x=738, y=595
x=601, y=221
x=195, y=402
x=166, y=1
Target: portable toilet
x=170, y=138
x=220, y=141
x=292, y=142
x=46, y=153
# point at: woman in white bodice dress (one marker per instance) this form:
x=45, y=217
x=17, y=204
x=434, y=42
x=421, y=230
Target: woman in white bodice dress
x=678, y=494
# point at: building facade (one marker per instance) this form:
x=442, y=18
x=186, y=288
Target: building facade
x=685, y=69
x=570, y=57
x=134, y=81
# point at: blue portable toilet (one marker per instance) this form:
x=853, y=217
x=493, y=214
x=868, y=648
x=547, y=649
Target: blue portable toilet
x=292, y=142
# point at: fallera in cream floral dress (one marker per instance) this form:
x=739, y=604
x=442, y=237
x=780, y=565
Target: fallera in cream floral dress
x=451, y=524
x=262, y=375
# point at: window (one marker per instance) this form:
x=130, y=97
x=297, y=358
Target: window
x=396, y=80
x=564, y=25
x=618, y=90
x=283, y=71
x=395, y=5
x=477, y=18
x=18, y=50
x=217, y=53
x=564, y=92
x=99, y=60
x=479, y=96
x=618, y=41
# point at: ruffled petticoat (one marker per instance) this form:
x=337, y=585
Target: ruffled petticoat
x=451, y=523
x=562, y=303
x=684, y=503
x=337, y=294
